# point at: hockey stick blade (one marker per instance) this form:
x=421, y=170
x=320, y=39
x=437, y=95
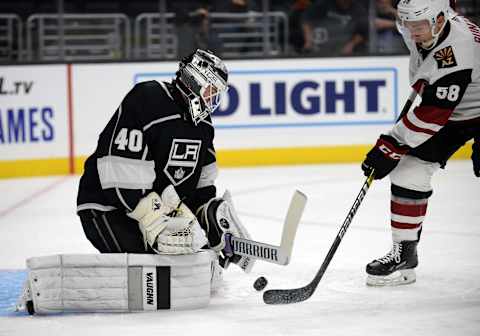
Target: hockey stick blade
x=271, y=253
x=287, y=296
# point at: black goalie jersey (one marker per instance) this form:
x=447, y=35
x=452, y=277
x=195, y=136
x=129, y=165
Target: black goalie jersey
x=149, y=143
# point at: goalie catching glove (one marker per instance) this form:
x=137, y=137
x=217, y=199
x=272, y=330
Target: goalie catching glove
x=219, y=219
x=167, y=224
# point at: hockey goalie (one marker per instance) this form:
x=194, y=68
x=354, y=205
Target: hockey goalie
x=147, y=202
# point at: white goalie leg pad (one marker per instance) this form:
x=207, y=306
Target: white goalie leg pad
x=118, y=282
x=400, y=277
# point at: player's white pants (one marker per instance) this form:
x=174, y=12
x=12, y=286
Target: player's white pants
x=414, y=173
x=407, y=214
x=119, y=282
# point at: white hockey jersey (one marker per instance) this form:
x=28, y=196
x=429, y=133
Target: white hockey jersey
x=450, y=73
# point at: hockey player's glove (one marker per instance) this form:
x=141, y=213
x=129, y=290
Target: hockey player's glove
x=384, y=156
x=476, y=157
x=219, y=219
x=167, y=224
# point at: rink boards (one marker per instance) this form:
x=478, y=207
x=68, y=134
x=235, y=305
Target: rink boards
x=276, y=111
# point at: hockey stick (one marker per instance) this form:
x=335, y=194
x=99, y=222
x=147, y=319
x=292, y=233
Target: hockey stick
x=271, y=253
x=285, y=296
x=408, y=104
x=410, y=100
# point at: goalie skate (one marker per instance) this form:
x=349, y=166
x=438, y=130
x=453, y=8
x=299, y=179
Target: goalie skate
x=396, y=267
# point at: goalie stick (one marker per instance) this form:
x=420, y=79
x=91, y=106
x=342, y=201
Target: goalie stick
x=285, y=296
x=271, y=253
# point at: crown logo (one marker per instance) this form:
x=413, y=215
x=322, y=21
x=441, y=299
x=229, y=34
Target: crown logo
x=179, y=173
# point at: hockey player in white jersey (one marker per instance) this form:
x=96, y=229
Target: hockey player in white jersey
x=445, y=71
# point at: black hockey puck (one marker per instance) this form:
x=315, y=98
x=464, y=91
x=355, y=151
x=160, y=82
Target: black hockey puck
x=260, y=283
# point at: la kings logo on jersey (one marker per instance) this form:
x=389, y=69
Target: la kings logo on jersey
x=182, y=160
x=445, y=58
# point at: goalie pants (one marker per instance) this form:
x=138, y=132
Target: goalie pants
x=113, y=231
x=411, y=179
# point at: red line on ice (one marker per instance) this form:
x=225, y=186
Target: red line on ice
x=31, y=197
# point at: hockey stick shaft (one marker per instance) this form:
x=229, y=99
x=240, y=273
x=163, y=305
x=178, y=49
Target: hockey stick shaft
x=285, y=296
x=290, y=225
x=411, y=99
x=271, y=253
x=408, y=104
x=343, y=229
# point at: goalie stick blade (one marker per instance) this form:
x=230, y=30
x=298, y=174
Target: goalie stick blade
x=271, y=253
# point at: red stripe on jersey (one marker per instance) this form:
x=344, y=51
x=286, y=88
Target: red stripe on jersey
x=414, y=128
x=433, y=115
x=419, y=85
x=411, y=210
x=453, y=4
x=398, y=225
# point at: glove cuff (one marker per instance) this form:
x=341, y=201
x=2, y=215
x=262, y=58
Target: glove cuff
x=391, y=148
x=146, y=206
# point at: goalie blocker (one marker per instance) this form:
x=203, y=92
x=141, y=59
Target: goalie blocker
x=119, y=282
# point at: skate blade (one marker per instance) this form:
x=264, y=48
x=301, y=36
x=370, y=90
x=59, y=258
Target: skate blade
x=397, y=278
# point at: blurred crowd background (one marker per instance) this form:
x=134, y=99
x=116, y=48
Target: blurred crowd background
x=121, y=30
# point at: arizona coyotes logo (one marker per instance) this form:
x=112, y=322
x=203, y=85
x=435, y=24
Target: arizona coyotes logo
x=182, y=160
x=445, y=58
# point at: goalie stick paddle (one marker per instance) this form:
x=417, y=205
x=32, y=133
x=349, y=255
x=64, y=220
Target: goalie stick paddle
x=286, y=296
x=271, y=253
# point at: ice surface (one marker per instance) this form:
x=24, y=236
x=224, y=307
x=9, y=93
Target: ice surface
x=37, y=217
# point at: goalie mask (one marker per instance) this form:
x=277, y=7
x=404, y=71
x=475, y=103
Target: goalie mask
x=419, y=17
x=202, y=81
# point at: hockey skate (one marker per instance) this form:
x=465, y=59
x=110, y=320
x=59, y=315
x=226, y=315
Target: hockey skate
x=397, y=267
x=25, y=301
